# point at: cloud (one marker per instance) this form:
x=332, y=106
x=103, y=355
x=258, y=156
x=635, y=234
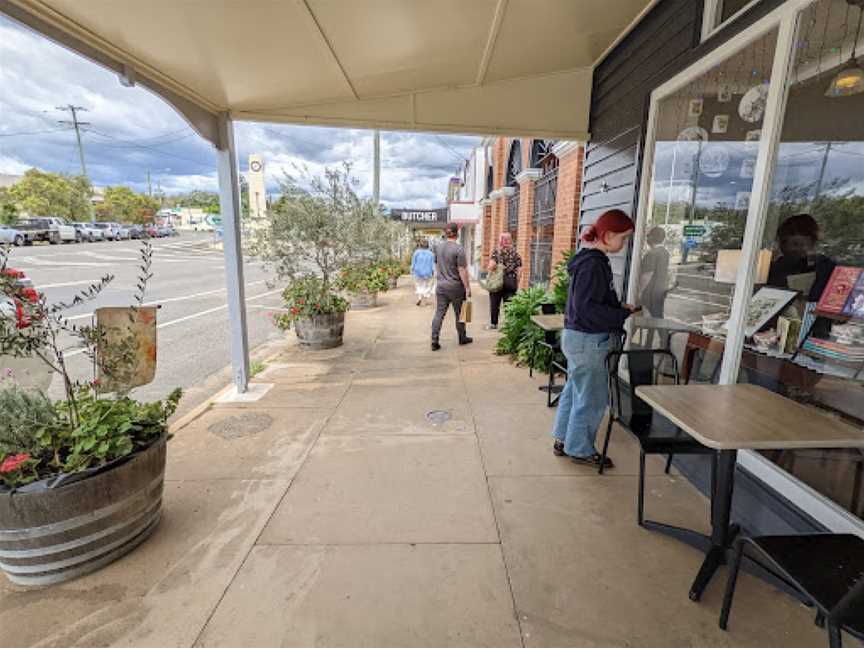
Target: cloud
x=131, y=131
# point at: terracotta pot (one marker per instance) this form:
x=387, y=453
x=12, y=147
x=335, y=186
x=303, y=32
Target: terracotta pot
x=321, y=331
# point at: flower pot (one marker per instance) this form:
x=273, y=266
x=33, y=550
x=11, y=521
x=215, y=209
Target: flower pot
x=321, y=331
x=54, y=534
x=361, y=300
x=393, y=282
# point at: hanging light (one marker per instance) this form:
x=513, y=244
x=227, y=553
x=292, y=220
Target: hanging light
x=850, y=79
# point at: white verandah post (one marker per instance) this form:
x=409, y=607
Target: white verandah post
x=229, y=206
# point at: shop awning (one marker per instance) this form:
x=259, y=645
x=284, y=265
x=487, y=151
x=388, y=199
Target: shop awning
x=518, y=67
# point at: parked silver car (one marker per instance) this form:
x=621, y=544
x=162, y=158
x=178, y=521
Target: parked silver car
x=88, y=232
x=12, y=235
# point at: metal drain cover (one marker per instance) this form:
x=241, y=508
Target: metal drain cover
x=438, y=417
x=243, y=425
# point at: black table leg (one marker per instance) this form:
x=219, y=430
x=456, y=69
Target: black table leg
x=721, y=531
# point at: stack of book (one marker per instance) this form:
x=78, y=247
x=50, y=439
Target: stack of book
x=847, y=354
x=842, y=298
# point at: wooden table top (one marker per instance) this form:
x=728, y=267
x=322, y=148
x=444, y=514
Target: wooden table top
x=549, y=322
x=661, y=324
x=738, y=417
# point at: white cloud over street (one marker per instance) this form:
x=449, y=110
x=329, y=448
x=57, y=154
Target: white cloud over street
x=131, y=131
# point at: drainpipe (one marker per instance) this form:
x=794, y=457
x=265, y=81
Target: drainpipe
x=229, y=206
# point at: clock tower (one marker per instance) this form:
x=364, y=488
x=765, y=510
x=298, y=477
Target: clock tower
x=257, y=192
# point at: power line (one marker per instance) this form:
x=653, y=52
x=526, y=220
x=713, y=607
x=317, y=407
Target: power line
x=42, y=132
x=461, y=157
x=149, y=148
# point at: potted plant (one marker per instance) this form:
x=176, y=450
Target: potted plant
x=80, y=478
x=394, y=269
x=362, y=282
x=315, y=311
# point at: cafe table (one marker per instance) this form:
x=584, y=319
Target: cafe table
x=551, y=325
x=729, y=418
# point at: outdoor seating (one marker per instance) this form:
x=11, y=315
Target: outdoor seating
x=654, y=434
x=827, y=570
x=557, y=362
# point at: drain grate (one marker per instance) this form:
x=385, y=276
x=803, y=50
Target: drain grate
x=243, y=425
x=438, y=417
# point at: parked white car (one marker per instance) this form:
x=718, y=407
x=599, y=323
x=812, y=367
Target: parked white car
x=122, y=231
x=12, y=235
x=109, y=231
x=52, y=229
x=88, y=232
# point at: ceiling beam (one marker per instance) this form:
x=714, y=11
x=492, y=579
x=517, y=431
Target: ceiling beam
x=494, y=30
x=311, y=15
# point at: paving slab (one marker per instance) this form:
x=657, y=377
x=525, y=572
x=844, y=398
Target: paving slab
x=387, y=489
x=161, y=594
x=380, y=402
x=314, y=394
x=244, y=443
x=298, y=371
x=496, y=381
x=517, y=440
x=585, y=575
x=385, y=596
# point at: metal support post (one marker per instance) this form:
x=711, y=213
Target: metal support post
x=229, y=205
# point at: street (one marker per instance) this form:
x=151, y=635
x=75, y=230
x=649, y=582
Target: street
x=189, y=284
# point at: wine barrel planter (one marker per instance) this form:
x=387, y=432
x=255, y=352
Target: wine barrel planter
x=321, y=331
x=393, y=282
x=56, y=534
x=359, y=301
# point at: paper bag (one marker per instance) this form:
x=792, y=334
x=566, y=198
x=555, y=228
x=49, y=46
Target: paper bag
x=465, y=314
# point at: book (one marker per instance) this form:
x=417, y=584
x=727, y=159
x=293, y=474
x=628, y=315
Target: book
x=855, y=303
x=836, y=294
x=763, y=306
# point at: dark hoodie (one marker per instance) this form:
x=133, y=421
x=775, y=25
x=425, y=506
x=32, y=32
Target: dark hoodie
x=592, y=304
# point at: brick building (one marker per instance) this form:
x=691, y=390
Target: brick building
x=532, y=191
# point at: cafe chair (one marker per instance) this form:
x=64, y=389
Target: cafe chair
x=654, y=433
x=557, y=364
x=827, y=571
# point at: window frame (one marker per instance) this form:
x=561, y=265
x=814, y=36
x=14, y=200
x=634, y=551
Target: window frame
x=711, y=14
x=784, y=19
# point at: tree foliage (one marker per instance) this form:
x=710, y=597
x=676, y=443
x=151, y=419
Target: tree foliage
x=126, y=206
x=8, y=208
x=320, y=225
x=40, y=193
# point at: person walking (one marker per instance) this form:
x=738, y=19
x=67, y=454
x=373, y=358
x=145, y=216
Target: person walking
x=423, y=271
x=452, y=284
x=593, y=315
x=510, y=261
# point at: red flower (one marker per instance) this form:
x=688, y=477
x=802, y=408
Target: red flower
x=301, y=302
x=13, y=462
x=294, y=310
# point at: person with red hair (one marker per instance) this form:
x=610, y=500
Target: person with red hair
x=594, y=313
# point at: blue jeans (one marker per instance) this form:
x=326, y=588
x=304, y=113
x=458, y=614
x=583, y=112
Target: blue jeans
x=585, y=396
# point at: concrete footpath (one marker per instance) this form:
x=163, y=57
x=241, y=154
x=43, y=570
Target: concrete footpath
x=338, y=512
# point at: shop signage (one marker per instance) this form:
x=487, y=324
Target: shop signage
x=423, y=217
x=694, y=232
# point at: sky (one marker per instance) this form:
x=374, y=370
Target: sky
x=131, y=130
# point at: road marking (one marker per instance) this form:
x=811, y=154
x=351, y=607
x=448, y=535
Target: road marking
x=168, y=300
x=62, y=264
x=180, y=320
x=68, y=283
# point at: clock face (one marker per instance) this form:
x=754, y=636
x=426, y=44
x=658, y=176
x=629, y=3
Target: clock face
x=255, y=165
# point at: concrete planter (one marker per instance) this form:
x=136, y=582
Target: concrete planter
x=359, y=301
x=321, y=331
x=51, y=535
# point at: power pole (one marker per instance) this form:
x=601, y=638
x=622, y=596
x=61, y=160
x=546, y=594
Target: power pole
x=376, y=177
x=76, y=124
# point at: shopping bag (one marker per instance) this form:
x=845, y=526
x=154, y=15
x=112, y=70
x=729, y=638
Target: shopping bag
x=495, y=280
x=466, y=312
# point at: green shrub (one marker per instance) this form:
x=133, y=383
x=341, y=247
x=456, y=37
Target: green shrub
x=363, y=278
x=23, y=415
x=519, y=334
x=306, y=297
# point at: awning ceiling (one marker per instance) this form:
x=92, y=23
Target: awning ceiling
x=520, y=67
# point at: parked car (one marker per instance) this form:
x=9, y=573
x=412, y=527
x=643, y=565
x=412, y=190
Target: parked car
x=122, y=231
x=152, y=231
x=165, y=230
x=47, y=228
x=136, y=231
x=109, y=232
x=88, y=232
x=12, y=235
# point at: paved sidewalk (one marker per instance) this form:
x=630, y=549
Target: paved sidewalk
x=335, y=513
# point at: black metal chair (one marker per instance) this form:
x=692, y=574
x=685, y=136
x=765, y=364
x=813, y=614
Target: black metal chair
x=639, y=417
x=826, y=569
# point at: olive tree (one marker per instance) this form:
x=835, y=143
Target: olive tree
x=318, y=225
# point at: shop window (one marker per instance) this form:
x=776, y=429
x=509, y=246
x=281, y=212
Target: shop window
x=513, y=214
x=545, y=192
x=719, y=12
x=809, y=344
x=706, y=140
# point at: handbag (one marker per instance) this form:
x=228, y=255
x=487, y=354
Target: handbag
x=495, y=280
x=466, y=312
